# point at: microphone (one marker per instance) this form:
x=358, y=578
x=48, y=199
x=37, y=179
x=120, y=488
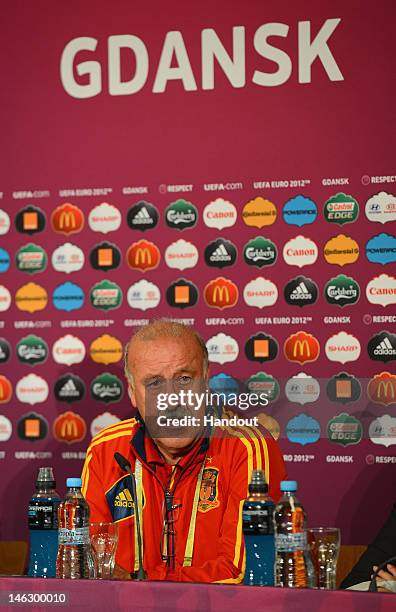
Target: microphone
x=126, y=467
x=373, y=584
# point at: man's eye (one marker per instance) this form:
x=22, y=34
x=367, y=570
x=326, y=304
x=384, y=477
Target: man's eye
x=154, y=384
x=185, y=380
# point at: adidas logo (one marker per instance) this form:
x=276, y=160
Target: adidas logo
x=69, y=389
x=142, y=217
x=220, y=254
x=385, y=347
x=124, y=499
x=301, y=292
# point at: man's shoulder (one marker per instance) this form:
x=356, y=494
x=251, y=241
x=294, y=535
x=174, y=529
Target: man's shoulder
x=242, y=437
x=113, y=435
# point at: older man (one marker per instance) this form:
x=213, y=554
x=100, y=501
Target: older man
x=191, y=478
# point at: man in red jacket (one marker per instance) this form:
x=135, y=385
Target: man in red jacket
x=192, y=476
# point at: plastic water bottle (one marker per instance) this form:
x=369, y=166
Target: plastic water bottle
x=293, y=565
x=258, y=533
x=43, y=526
x=74, y=558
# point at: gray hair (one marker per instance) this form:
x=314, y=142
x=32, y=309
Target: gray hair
x=165, y=328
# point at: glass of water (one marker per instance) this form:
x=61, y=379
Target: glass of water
x=324, y=544
x=104, y=539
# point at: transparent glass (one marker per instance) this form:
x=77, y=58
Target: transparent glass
x=324, y=543
x=104, y=540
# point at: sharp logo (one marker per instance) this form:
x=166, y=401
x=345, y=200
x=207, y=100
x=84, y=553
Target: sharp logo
x=124, y=499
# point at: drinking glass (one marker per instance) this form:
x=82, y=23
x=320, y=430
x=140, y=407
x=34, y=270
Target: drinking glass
x=104, y=539
x=324, y=543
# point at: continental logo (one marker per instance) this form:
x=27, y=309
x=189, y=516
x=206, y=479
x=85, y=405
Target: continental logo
x=301, y=347
x=124, y=499
x=341, y=250
x=31, y=298
x=221, y=293
x=259, y=212
x=381, y=389
x=143, y=255
x=106, y=349
x=67, y=219
x=69, y=427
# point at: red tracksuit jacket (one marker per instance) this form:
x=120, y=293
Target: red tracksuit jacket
x=222, y=464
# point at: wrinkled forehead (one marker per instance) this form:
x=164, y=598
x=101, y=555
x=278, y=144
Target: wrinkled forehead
x=165, y=353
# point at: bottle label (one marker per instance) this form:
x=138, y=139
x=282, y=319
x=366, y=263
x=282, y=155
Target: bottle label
x=258, y=520
x=43, y=513
x=290, y=542
x=74, y=537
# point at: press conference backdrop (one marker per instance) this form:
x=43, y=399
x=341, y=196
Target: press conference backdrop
x=230, y=165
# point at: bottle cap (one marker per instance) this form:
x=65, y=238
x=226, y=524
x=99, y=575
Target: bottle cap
x=45, y=478
x=288, y=485
x=73, y=483
x=258, y=477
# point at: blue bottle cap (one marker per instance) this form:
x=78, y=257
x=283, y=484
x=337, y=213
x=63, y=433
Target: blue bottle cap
x=73, y=482
x=288, y=485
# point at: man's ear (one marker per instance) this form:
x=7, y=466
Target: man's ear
x=132, y=396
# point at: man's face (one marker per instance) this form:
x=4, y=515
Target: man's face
x=167, y=365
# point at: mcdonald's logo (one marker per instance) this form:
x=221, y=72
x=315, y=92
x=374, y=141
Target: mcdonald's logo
x=143, y=255
x=67, y=219
x=381, y=389
x=301, y=347
x=69, y=427
x=5, y=390
x=221, y=293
